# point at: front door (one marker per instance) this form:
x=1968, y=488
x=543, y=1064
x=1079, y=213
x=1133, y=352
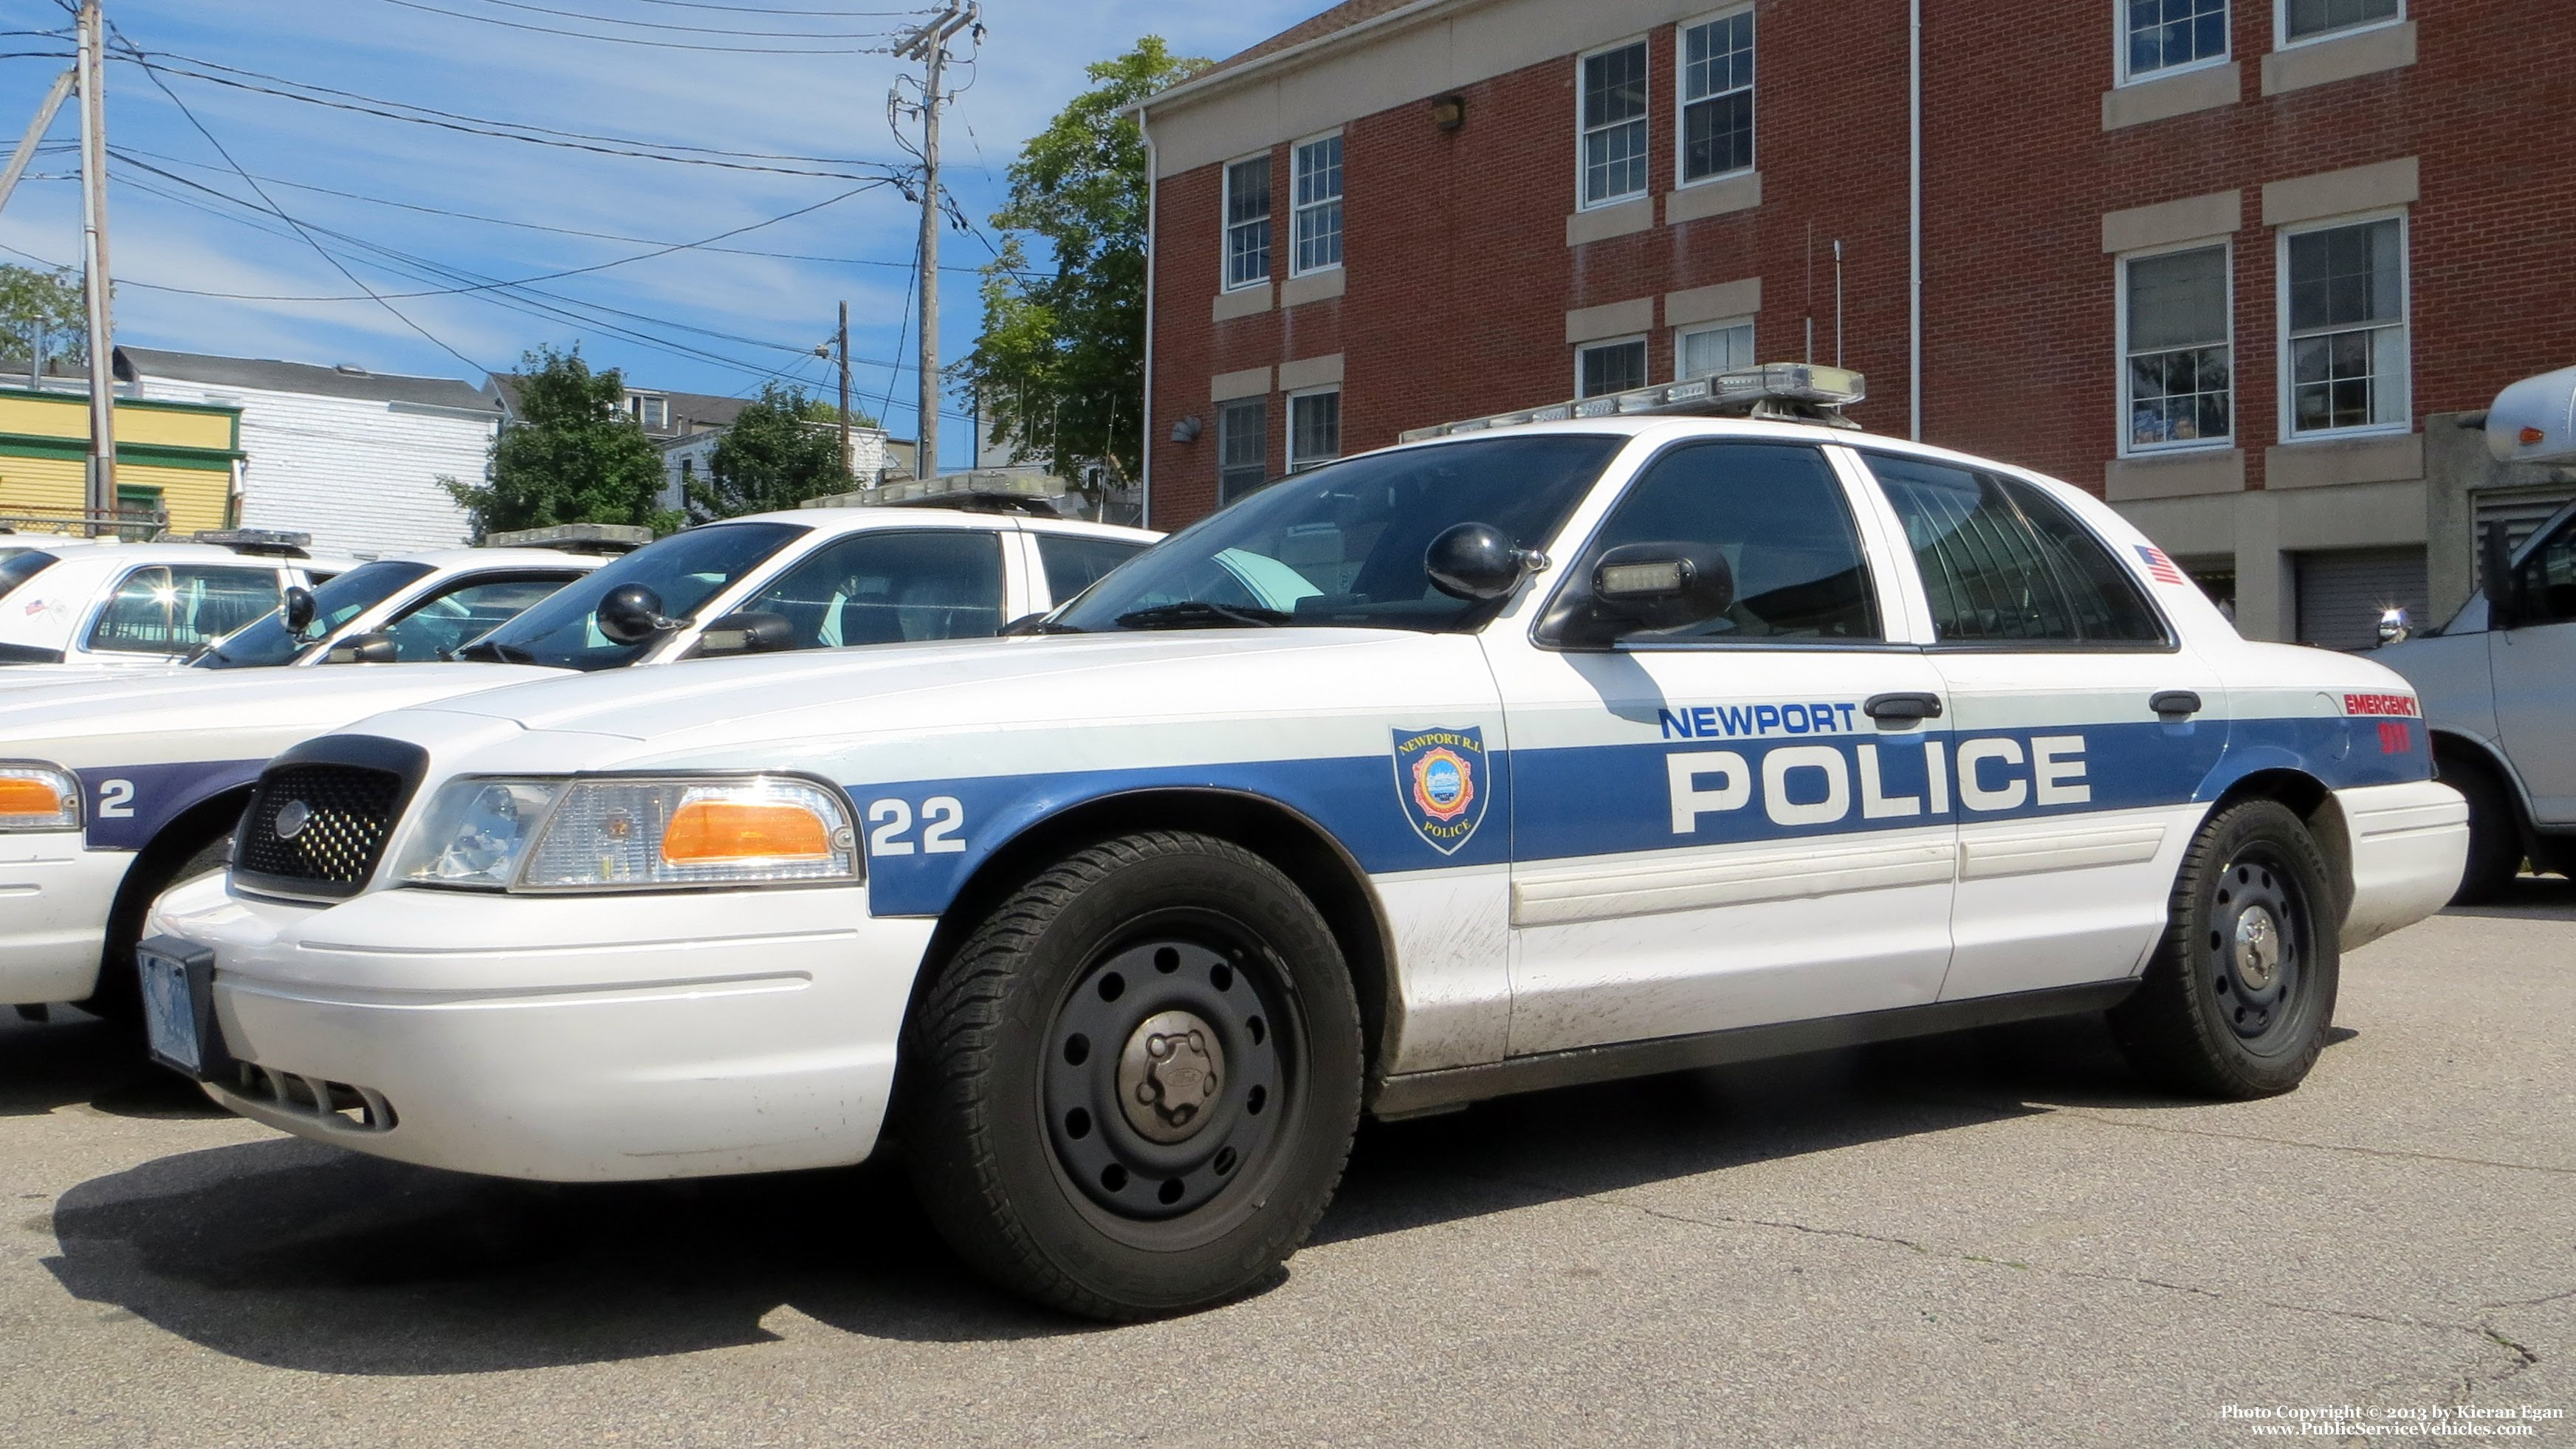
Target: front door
x=1710, y=829
x=2082, y=728
x=2535, y=677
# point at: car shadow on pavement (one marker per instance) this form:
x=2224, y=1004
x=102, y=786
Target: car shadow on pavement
x=2528, y=898
x=298, y=1255
x=77, y=1058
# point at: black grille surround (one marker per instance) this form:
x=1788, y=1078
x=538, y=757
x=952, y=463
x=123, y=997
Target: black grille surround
x=321, y=813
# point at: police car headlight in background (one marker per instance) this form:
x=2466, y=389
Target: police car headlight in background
x=633, y=833
x=36, y=798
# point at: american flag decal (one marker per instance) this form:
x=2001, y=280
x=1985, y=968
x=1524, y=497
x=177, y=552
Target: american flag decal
x=2160, y=566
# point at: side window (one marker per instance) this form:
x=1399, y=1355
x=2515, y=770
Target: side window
x=1072, y=561
x=1777, y=512
x=173, y=608
x=2002, y=563
x=890, y=587
x=2549, y=581
x=436, y=627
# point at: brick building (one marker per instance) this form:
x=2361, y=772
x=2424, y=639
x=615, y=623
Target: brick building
x=2239, y=265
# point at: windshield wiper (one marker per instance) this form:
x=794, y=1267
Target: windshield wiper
x=1035, y=624
x=493, y=651
x=1200, y=614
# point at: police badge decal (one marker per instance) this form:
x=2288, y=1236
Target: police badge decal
x=1440, y=781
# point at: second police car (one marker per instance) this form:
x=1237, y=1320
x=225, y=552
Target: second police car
x=113, y=786
x=1544, y=753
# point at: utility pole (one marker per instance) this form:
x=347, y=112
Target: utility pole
x=929, y=45
x=35, y=133
x=102, y=347
x=845, y=385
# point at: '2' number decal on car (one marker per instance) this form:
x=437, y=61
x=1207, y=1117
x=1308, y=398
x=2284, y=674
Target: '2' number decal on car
x=116, y=799
x=942, y=816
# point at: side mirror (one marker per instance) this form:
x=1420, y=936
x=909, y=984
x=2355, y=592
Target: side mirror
x=1478, y=562
x=364, y=649
x=2394, y=626
x=1640, y=587
x=2495, y=560
x=298, y=608
x=749, y=632
x=632, y=614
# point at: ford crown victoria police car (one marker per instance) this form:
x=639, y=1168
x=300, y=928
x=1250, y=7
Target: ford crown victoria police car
x=112, y=788
x=1538, y=755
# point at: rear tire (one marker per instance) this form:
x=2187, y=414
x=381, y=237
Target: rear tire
x=2238, y=996
x=2495, y=830
x=1131, y=1091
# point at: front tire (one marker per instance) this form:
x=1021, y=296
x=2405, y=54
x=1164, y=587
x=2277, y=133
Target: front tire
x=2495, y=831
x=118, y=997
x=2239, y=995
x=1134, y=1087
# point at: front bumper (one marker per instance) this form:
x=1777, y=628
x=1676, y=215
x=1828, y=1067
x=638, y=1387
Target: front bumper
x=2409, y=845
x=54, y=900
x=565, y=1039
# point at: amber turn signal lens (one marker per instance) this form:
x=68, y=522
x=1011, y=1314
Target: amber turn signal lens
x=2531, y=436
x=22, y=796
x=710, y=832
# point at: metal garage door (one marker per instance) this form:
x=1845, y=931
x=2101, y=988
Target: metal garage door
x=2342, y=591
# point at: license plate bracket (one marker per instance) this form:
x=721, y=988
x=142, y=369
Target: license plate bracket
x=179, y=1008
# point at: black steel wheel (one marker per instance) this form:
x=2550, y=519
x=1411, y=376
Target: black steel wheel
x=1132, y=1089
x=2238, y=997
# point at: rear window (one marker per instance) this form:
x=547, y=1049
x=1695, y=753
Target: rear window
x=173, y=608
x=17, y=570
x=1073, y=563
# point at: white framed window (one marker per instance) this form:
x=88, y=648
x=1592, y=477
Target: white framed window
x=2161, y=37
x=1712, y=348
x=652, y=412
x=2177, y=358
x=1615, y=365
x=1314, y=428
x=1610, y=115
x=1247, y=221
x=1242, y=448
x=2344, y=347
x=1716, y=134
x=1317, y=167
x=2296, y=22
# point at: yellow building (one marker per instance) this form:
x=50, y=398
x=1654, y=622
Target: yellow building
x=185, y=457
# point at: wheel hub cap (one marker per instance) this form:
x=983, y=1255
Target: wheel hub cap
x=2258, y=948
x=1169, y=1074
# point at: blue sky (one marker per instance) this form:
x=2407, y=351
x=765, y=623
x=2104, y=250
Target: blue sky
x=717, y=321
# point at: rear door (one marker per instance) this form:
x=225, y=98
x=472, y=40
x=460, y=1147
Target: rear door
x=2534, y=665
x=1709, y=827
x=2075, y=793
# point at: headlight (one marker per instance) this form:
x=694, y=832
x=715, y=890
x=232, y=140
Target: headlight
x=633, y=834
x=38, y=797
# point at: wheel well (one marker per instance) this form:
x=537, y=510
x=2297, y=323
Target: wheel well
x=2315, y=804
x=2459, y=752
x=1297, y=846
x=191, y=831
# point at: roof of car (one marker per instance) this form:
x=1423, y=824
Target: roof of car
x=854, y=520
x=511, y=558
x=134, y=553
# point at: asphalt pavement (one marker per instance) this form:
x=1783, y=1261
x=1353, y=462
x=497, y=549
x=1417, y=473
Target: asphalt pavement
x=1997, y=1238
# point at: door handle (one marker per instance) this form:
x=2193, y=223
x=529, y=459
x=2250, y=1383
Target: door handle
x=1899, y=711
x=2174, y=704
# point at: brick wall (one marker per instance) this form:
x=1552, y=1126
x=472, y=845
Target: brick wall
x=1458, y=274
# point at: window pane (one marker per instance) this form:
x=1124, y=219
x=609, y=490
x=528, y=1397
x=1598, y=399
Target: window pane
x=438, y=628
x=1717, y=57
x=2316, y=17
x=1314, y=429
x=1243, y=441
x=2168, y=33
x=1611, y=367
x=1614, y=86
x=1247, y=190
x=2001, y=562
x=1717, y=136
x=173, y=609
x=2178, y=300
x=1778, y=515
x=1247, y=215
x=2345, y=275
x=1319, y=171
x=1716, y=349
x=889, y=587
x=1072, y=562
x=1614, y=124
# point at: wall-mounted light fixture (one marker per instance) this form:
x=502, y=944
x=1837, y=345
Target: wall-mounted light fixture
x=1186, y=430
x=1449, y=112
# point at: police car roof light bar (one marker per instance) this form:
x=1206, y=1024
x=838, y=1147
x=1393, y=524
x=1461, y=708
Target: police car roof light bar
x=275, y=541
x=1789, y=392
x=598, y=538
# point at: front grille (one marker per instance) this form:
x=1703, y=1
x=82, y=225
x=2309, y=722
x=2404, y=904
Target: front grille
x=334, y=826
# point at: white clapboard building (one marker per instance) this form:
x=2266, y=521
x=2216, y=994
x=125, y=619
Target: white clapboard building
x=350, y=456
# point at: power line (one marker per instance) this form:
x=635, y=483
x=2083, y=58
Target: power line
x=764, y=10
x=688, y=29
x=629, y=39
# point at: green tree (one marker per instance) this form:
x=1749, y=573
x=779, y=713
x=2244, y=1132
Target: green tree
x=572, y=456
x=1060, y=364
x=782, y=449
x=44, y=307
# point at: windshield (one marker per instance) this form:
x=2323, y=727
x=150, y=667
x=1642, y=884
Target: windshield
x=1343, y=545
x=266, y=642
x=684, y=571
x=17, y=570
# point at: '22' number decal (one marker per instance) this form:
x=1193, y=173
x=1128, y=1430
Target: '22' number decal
x=942, y=816
x=116, y=799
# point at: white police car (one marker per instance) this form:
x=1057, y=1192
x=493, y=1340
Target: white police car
x=1530, y=756
x=113, y=787
x=143, y=604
